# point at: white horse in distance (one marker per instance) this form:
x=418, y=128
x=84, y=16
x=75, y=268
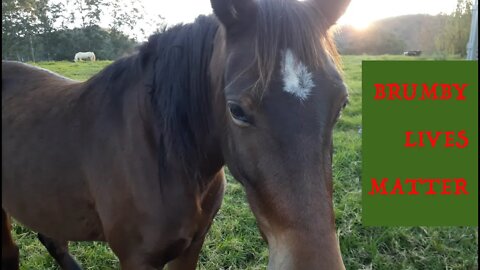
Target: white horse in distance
x=84, y=56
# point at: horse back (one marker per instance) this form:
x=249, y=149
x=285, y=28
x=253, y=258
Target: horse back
x=23, y=77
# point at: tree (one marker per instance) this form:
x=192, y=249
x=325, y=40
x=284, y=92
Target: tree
x=127, y=17
x=88, y=12
x=18, y=23
x=456, y=31
x=52, y=30
x=25, y=27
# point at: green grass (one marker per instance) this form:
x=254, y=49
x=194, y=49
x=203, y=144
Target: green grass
x=78, y=71
x=234, y=242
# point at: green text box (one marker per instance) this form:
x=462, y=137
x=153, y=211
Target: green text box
x=385, y=123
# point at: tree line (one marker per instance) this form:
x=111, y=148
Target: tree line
x=52, y=30
x=39, y=30
x=443, y=34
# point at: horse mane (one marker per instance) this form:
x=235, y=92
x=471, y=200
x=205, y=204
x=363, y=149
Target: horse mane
x=173, y=69
x=298, y=26
x=180, y=91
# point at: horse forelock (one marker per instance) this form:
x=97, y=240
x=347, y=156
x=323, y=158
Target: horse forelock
x=284, y=26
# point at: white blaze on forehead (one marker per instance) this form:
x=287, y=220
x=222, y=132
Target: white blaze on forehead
x=297, y=80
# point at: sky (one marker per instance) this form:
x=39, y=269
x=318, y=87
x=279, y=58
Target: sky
x=359, y=14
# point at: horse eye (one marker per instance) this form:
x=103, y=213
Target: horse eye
x=238, y=114
x=341, y=109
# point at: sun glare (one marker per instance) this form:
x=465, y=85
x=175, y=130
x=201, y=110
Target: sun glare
x=360, y=14
x=361, y=25
x=359, y=20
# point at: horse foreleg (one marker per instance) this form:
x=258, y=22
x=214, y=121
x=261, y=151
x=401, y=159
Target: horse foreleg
x=189, y=258
x=210, y=205
x=59, y=251
x=9, y=249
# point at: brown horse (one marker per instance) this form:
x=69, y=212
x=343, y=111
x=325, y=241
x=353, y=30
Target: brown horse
x=134, y=155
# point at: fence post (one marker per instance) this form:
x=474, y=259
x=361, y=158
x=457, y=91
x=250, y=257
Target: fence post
x=32, y=49
x=472, y=45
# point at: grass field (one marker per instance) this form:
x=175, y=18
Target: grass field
x=234, y=242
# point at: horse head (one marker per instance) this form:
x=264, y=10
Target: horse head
x=276, y=69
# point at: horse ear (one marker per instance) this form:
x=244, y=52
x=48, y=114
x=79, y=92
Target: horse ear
x=234, y=13
x=331, y=10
